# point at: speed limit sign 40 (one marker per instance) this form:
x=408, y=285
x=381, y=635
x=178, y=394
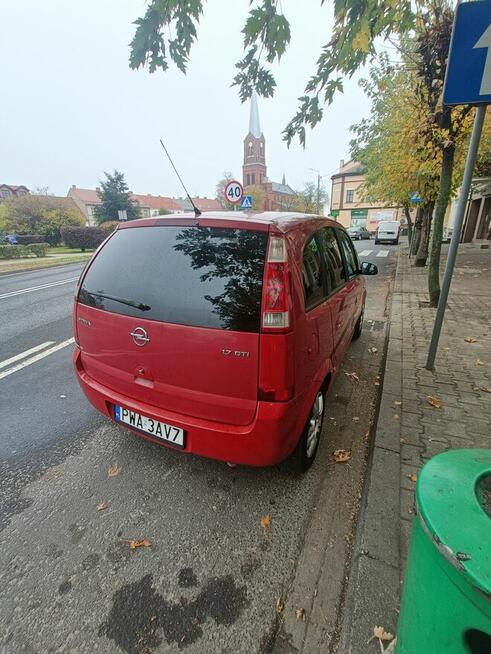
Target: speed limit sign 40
x=233, y=192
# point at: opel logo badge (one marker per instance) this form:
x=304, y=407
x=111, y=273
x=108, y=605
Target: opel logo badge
x=140, y=336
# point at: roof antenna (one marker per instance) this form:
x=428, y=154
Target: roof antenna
x=197, y=212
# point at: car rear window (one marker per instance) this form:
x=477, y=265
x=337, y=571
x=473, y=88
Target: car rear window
x=199, y=276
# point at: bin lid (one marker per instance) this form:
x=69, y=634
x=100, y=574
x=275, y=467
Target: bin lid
x=453, y=503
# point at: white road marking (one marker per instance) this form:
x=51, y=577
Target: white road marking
x=382, y=253
x=41, y=287
x=365, y=253
x=23, y=355
x=36, y=357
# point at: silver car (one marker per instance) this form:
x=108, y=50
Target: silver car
x=358, y=232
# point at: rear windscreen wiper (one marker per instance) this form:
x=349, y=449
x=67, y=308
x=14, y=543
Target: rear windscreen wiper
x=122, y=300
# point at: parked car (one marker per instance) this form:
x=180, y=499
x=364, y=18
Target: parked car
x=388, y=231
x=11, y=239
x=358, y=232
x=220, y=335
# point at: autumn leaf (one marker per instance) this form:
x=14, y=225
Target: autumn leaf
x=479, y=363
x=341, y=456
x=381, y=634
x=372, y=350
x=355, y=418
x=397, y=403
x=470, y=339
x=113, y=470
x=280, y=605
x=413, y=477
x=434, y=401
x=486, y=389
x=265, y=521
x=102, y=506
x=300, y=614
x=353, y=376
x=134, y=544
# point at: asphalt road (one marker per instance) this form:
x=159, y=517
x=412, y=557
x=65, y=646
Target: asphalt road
x=212, y=576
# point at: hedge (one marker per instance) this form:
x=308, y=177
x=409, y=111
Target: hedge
x=18, y=251
x=13, y=251
x=108, y=226
x=82, y=237
x=27, y=239
x=39, y=249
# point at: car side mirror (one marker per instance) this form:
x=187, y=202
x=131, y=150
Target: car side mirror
x=368, y=268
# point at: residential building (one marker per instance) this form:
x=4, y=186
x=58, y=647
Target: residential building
x=150, y=205
x=203, y=204
x=348, y=205
x=477, y=219
x=254, y=171
x=12, y=190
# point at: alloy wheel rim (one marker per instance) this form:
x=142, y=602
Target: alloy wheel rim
x=315, y=424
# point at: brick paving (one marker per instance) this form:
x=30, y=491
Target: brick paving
x=410, y=431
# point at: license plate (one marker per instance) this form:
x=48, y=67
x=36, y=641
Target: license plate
x=161, y=430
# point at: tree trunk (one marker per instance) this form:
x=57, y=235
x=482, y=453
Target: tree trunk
x=409, y=223
x=440, y=210
x=424, y=241
x=417, y=230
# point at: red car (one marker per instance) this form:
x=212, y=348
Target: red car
x=220, y=334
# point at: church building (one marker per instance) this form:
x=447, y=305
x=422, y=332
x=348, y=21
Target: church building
x=279, y=197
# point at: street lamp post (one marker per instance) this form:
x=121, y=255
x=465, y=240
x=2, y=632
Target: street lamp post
x=319, y=177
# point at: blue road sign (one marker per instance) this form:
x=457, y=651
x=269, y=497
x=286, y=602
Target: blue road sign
x=468, y=78
x=246, y=202
x=415, y=197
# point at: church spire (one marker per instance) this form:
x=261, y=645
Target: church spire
x=254, y=126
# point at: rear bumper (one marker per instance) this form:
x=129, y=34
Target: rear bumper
x=267, y=440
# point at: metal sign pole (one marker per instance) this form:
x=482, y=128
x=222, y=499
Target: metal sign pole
x=454, y=243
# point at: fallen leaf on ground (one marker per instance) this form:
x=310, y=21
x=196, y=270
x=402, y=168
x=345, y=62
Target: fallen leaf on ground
x=265, y=521
x=300, y=614
x=486, y=389
x=470, y=339
x=113, y=470
x=376, y=383
x=353, y=376
x=434, y=401
x=355, y=418
x=397, y=417
x=413, y=477
x=479, y=363
x=381, y=635
x=102, y=506
x=397, y=403
x=402, y=440
x=341, y=456
x=280, y=605
x=372, y=350
x=134, y=544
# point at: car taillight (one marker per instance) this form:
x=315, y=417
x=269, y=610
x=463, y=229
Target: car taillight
x=276, y=288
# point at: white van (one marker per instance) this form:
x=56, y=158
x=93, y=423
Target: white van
x=388, y=230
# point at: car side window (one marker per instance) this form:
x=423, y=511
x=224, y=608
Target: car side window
x=333, y=260
x=313, y=280
x=349, y=252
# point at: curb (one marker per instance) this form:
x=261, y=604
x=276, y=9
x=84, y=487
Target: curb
x=55, y=265
x=374, y=585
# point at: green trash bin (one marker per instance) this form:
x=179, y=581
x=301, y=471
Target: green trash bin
x=446, y=599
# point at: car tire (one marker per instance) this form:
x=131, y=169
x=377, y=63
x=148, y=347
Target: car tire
x=376, y=242
x=359, y=325
x=304, y=454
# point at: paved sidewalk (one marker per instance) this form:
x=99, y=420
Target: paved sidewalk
x=410, y=430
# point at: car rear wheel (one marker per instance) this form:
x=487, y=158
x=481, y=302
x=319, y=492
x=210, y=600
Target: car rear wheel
x=304, y=454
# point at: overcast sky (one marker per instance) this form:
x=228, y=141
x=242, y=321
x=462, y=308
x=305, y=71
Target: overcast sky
x=70, y=107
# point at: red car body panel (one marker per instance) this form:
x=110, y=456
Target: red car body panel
x=215, y=383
